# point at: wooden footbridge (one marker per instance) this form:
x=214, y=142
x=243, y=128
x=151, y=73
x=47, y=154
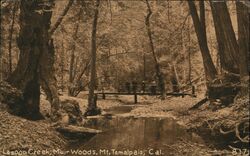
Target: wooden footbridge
x=152, y=92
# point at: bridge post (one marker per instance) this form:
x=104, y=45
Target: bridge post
x=193, y=90
x=134, y=88
x=135, y=98
x=103, y=96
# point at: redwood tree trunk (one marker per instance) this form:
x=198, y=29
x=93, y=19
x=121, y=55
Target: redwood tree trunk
x=35, y=65
x=11, y=36
x=33, y=26
x=203, y=17
x=243, y=40
x=210, y=69
x=47, y=75
x=227, y=43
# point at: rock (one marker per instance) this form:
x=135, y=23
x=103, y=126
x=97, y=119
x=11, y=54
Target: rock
x=11, y=96
x=71, y=112
x=65, y=118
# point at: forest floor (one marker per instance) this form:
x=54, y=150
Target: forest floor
x=18, y=133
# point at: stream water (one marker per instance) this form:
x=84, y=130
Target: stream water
x=133, y=136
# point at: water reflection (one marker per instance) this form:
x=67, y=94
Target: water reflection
x=128, y=133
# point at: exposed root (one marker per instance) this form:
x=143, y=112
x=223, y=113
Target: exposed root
x=226, y=132
x=237, y=132
x=212, y=127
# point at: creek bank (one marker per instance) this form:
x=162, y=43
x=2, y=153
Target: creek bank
x=20, y=134
x=226, y=126
x=221, y=127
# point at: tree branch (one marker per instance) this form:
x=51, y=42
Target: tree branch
x=59, y=20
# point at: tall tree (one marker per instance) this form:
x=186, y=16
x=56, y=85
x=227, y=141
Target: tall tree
x=60, y=19
x=11, y=35
x=203, y=17
x=189, y=54
x=33, y=26
x=72, y=57
x=35, y=65
x=227, y=43
x=243, y=40
x=210, y=70
x=62, y=65
x=159, y=74
x=92, y=107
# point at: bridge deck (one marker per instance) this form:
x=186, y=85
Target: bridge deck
x=135, y=94
x=140, y=93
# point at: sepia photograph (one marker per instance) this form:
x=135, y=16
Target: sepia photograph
x=124, y=77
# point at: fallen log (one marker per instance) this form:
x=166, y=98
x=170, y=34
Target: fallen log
x=198, y=104
x=70, y=129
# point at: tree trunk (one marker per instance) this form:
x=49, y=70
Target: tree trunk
x=72, y=87
x=62, y=65
x=203, y=17
x=78, y=82
x=159, y=74
x=92, y=108
x=174, y=79
x=59, y=20
x=11, y=36
x=227, y=43
x=210, y=69
x=32, y=41
x=243, y=40
x=47, y=75
x=189, y=54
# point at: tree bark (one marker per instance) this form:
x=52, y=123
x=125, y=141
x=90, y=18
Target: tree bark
x=59, y=20
x=243, y=40
x=92, y=107
x=174, y=79
x=32, y=42
x=72, y=59
x=11, y=36
x=189, y=54
x=210, y=70
x=159, y=74
x=47, y=75
x=62, y=63
x=203, y=17
x=227, y=43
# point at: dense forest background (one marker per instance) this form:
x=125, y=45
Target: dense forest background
x=122, y=42
x=104, y=45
